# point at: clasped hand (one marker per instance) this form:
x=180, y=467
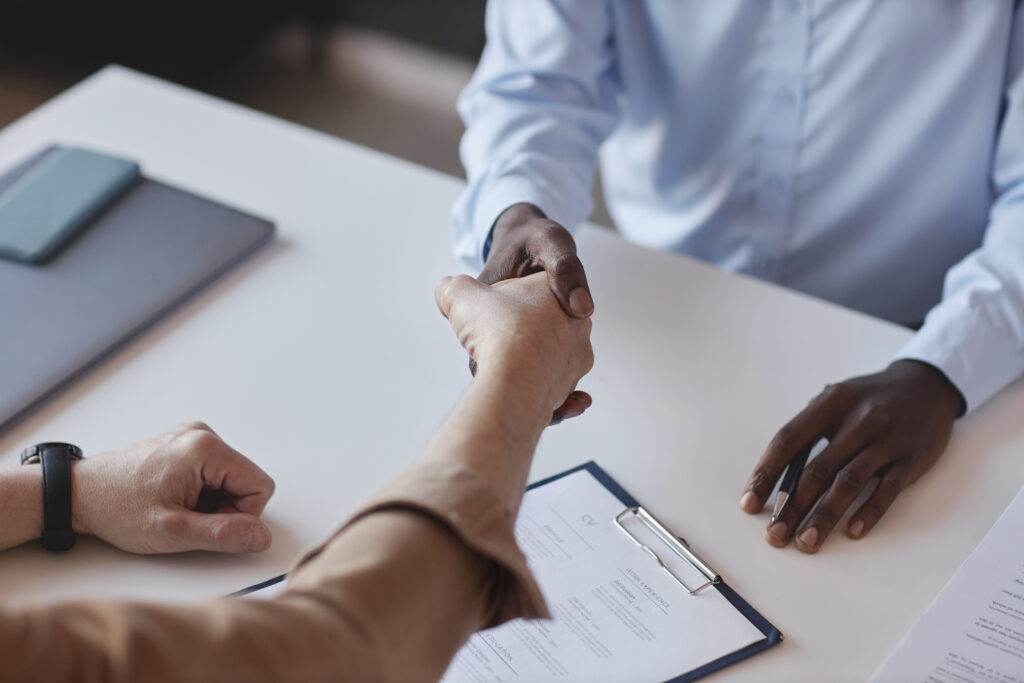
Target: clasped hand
x=182, y=490
x=186, y=489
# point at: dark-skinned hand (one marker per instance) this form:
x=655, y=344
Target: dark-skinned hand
x=524, y=241
x=891, y=426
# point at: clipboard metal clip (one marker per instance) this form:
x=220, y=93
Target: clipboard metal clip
x=677, y=545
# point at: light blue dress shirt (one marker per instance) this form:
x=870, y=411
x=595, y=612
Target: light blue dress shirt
x=869, y=152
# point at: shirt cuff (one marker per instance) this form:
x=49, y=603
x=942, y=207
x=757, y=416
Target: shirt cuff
x=972, y=351
x=459, y=499
x=481, y=206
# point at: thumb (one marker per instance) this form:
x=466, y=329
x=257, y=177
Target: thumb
x=229, y=532
x=555, y=249
x=450, y=290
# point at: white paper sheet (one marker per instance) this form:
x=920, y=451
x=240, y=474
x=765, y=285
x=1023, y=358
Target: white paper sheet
x=974, y=631
x=617, y=615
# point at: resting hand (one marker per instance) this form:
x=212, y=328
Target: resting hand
x=182, y=490
x=516, y=328
x=892, y=425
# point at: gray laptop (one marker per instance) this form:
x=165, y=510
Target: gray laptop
x=142, y=256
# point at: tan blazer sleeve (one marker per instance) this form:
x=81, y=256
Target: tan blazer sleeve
x=390, y=597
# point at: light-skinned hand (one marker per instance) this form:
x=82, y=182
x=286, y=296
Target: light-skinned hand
x=517, y=328
x=182, y=490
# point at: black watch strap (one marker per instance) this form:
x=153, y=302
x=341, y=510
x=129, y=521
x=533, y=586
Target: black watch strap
x=55, y=459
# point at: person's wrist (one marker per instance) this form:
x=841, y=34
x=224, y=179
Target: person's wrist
x=23, y=499
x=82, y=496
x=935, y=384
x=514, y=217
x=520, y=374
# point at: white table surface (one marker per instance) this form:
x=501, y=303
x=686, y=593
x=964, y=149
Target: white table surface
x=324, y=360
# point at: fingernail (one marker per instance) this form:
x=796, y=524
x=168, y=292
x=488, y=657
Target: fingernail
x=587, y=400
x=778, y=532
x=748, y=503
x=857, y=528
x=580, y=302
x=809, y=537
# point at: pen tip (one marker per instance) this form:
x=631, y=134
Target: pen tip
x=780, y=502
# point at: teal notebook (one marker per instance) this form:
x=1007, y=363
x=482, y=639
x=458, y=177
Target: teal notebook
x=48, y=206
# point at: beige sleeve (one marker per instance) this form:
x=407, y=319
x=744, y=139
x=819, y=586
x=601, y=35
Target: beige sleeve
x=390, y=597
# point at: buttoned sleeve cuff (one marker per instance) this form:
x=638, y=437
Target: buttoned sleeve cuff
x=466, y=504
x=480, y=205
x=972, y=351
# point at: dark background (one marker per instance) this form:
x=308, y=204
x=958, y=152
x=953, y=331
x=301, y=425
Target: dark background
x=190, y=41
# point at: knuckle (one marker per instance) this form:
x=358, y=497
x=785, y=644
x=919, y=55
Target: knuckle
x=222, y=534
x=588, y=357
x=197, y=440
x=890, y=487
x=792, y=514
x=784, y=440
x=759, y=479
x=458, y=281
x=818, y=474
x=877, y=418
x=825, y=517
x=196, y=425
x=839, y=393
x=904, y=445
x=871, y=510
x=499, y=267
x=850, y=481
x=565, y=265
x=168, y=522
x=553, y=230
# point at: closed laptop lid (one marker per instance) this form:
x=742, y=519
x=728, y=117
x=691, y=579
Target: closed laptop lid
x=149, y=251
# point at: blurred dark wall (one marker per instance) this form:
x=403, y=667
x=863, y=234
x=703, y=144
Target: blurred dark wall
x=173, y=38
x=455, y=26
x=188, y=40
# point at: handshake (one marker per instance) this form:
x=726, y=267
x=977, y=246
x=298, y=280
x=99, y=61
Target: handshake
x=186, y=489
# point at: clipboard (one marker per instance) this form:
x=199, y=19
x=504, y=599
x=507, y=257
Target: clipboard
x=671, y=544
x=677, y=545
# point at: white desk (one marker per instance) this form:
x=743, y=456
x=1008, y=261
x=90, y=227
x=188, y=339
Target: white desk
x=324, y=360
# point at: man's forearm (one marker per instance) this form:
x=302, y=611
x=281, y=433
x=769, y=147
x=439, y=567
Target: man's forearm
x=21, y=505
x=494, y=430
x=392, y=597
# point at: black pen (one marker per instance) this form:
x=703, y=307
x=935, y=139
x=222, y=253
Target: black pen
x=789, y=479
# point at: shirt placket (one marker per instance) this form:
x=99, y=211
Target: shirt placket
x=779, y=137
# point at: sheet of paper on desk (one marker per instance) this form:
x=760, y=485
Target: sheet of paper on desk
x=617, y=615
x=974, y=631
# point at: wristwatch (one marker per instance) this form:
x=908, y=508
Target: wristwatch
x=55, y=459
